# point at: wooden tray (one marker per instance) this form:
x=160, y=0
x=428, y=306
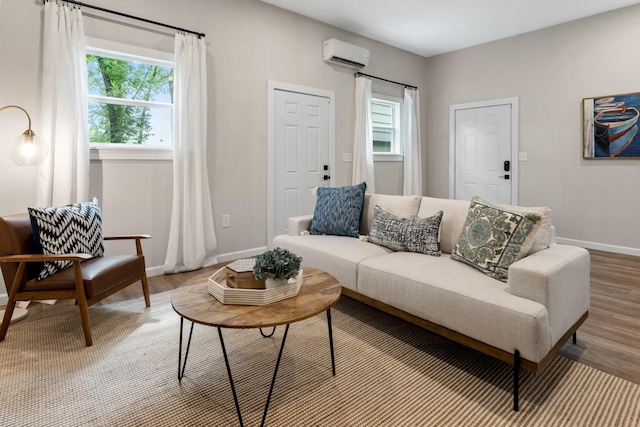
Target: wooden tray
x=226, y=295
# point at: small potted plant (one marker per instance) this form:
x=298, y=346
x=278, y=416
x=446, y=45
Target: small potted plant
x=276, y=267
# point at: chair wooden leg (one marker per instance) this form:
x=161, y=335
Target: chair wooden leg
x=6, y=320
x=82, y=304
x=11, y=303
x=145, y=289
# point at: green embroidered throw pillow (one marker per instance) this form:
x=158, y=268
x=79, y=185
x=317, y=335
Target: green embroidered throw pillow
x=494, y=237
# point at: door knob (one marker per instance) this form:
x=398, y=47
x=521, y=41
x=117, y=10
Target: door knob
x=326, y=177
x=504, y=176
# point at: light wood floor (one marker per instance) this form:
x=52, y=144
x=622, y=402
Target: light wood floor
x=609, y=340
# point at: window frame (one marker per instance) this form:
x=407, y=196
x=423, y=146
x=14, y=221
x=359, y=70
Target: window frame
x=397, y=149
x=126, y=52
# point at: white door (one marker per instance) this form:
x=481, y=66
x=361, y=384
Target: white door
x=483, y=154
x=301, y=158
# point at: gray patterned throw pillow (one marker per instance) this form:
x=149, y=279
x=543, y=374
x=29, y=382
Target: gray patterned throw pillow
x=75, y=228
x=494, y=237
x=411, y=234
x=339, y=210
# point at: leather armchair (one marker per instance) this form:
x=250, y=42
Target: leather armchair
x=88, y=281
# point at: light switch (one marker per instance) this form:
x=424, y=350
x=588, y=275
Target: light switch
x=522, y=156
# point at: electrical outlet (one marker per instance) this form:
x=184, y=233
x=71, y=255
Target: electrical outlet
x=226, y=221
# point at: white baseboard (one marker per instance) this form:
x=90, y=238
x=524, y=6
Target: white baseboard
x=159, y=269
x=599, y=246
x=155, y=271
x=230, y=256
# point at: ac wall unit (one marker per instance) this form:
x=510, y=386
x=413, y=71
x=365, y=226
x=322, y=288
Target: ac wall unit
x=336, y=51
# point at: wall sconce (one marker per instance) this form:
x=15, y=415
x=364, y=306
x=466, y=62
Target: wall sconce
x=27, y=149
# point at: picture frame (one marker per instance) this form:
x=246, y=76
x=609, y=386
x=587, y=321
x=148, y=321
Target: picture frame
x=610, y=127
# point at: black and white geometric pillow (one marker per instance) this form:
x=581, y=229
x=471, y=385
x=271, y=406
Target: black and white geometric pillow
x=75, y=228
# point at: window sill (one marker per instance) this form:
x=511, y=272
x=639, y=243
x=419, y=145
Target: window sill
x=387, y=157
x=124, y=152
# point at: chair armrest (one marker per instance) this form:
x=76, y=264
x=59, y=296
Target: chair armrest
x=559, y=278
x=128, y=237
x=298, y=224
x=136, y=237
x=44, y=257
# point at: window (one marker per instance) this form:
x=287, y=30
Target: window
x=385, y=121
x=130, y=97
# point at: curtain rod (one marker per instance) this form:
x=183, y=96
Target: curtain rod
x=200, y=35
x=385, y=80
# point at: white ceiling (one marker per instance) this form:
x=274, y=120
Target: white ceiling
x=431, y=27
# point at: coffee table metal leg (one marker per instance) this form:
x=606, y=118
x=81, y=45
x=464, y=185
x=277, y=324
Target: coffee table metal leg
x=181, y=365
x=268, y=336
x=233, y=388
x=333, y=359
x=275, y=373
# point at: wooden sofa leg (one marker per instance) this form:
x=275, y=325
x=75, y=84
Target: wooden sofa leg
x=516, y=380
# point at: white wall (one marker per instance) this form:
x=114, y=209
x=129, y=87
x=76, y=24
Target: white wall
x=248, y=43
x=594, y=202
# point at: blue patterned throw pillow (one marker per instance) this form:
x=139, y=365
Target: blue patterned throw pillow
x=411, y=234
x=75, y=228
x=339, y=210
x=495, y=237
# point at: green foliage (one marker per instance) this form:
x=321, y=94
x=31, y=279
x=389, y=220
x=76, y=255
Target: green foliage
x=120, y=79
x=276, y=264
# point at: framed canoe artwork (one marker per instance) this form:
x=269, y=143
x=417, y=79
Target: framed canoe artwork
x=610, y=127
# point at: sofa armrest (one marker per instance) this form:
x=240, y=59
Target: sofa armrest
x=298, y=224
x=559, y=278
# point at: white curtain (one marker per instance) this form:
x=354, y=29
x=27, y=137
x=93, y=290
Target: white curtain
x=363, y=141
x=411, y=137
x=64, y=174
x=192, y=240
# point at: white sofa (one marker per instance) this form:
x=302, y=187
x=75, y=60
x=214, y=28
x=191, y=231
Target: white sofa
x=523, y=322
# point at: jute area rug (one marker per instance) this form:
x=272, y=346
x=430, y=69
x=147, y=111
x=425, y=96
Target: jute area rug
x=389, y=373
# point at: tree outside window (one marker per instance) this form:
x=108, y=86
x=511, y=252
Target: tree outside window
x=130, y=101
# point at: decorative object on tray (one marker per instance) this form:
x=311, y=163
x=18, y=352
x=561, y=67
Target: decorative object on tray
x=276, y=267
x=226, y=295
x=240, y=275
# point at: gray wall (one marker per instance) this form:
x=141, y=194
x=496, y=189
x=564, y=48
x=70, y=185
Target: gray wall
x=248, y=43
x=594, y=202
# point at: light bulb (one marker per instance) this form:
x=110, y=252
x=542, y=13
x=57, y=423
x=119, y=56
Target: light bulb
x=28, y=149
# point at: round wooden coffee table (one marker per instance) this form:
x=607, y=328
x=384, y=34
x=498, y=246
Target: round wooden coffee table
x=318, y=293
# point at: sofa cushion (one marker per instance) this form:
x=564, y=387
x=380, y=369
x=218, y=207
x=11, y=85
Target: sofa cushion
x=401, y=206
x=338, y=255
x=494, y=237
x=411, y=234
x=339, y=210
x=75, y=228
x=543, y=235
x=455, y=213
x=458, y=297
